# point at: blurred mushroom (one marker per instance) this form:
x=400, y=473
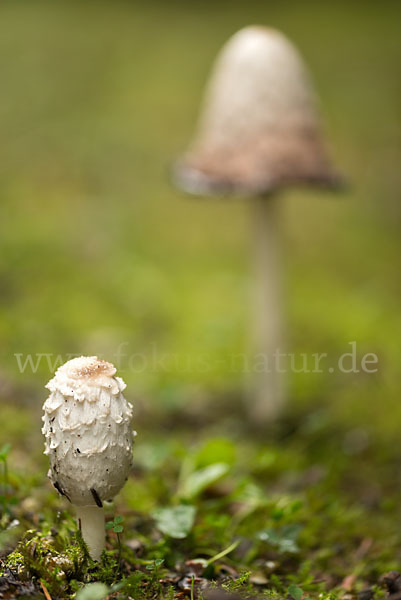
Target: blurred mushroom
x=87, y=426
x=259, y=132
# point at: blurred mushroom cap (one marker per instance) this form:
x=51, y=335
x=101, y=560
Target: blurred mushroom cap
x=259, y=129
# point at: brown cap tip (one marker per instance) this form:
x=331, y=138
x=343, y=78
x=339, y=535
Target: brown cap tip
x=87, y=367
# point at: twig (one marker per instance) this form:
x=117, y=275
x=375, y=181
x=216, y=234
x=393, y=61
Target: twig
x=45, y=591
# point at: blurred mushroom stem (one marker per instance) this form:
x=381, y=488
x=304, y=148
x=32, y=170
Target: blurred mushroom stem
x=267, y=385
x=91, y=521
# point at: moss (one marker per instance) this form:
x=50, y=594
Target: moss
x=36, y=557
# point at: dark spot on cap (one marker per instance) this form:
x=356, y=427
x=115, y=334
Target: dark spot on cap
x=60, y=490
x=96, y=497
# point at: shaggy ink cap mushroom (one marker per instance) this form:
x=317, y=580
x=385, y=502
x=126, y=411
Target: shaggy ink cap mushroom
x=259, y=132
x=87, y=426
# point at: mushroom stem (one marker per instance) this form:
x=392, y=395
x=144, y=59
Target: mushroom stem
x=267, y=398
x=91, y=520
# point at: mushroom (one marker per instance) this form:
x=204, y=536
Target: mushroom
x=259, y=132
x=87, y=426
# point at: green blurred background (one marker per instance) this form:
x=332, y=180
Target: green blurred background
x=98, y=250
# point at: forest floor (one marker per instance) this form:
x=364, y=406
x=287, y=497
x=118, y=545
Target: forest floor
x=307, y=510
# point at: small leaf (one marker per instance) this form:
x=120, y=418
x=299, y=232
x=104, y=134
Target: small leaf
x=118, y=528
x=215, y=451
x=295, y=591
x=200, y=480
x=153, y=455
x=109, y=524
x=93, y=591
x=118, y=519
x=155, y=564
x=176, y=521
x=5, y=451
x=284, y=538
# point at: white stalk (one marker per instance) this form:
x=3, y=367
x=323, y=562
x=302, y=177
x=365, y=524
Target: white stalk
x=267, y=395
x=91, y=522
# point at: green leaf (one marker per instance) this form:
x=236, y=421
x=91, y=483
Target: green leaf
x=200, y=480
x=5, y=451
x=155, y=564
x=176, y=521
x=296, y=592
x=115, y=524
x=284, y=538
x=153, y=455
x=215, y=451
x=93, y=591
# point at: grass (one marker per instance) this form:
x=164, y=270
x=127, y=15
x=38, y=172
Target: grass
x=100, y=255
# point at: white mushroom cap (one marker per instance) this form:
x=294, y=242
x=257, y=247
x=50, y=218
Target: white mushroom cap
x=259, y=129
x=87, y=425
